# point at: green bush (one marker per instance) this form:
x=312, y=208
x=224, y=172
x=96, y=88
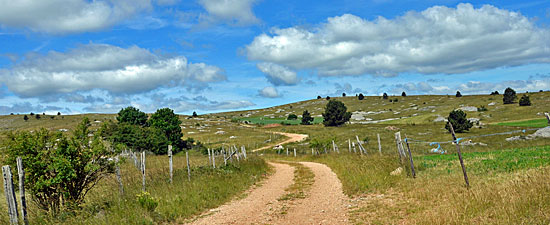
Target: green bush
x=146, y=201
x=132, y=116
x=292, y=117
x=459, y=121
x=335, y=113
x=482, y=109
x=361, y=96
x=166, y=120
x=306, y=118
x=509, y=96
x=525, y=101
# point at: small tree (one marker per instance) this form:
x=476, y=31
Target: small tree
x=166, y=120
x=25, y=118
x=509, y=96
x=328, y=97
x=524, y=101
x=32, y=114
x=319, y=97
x=306, y=118
x=385, y=95
x=458, y=94
x=335, y=114
x=132, y=116
x=60, y=170
x=292, y=117
x=59, y=113
x=361, y=96
x=195, y=114
x=459, y=121
x=404, y=94
x=495, y=93
x=37, y=116
x=343, y=94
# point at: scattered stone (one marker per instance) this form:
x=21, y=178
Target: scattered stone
x=397, y=171
x=440, y=119
x=544, y=133
x=392, y=128
x=468, y=108
x=492, y=104
x=220, y=132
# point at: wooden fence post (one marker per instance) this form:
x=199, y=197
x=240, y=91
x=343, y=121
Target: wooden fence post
x=170, y=162
x=547, y=117
x=349, y=145
x=361, y=148
x=188, y=166
x=294, y=152
x=209, y=157
x=354, y=149
x=21, y=172
x=213, y=159
x=286, y=151
x=399, y=144
x=118, y=177
x=143, y=170
x=459, y=155
x=312, y=153
x=10, y=195
x=379, y=144
x=411, y=159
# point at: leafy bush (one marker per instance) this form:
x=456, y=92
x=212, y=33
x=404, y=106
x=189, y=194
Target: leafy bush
x=458, y=94
x=132, y=116
x=509, y=96
x=525, y=101
x=319, y=97
x=328, y=98
x=292, y=117
x=60, y=170
x=482, y=109
x=459, y=121
x=335, y=113
x=495, y=93
x=306, y=118
x=404, y=94
x=361, y=96
x=146, y=201
x=343, y=94
x=166, y=120
x=385, y=95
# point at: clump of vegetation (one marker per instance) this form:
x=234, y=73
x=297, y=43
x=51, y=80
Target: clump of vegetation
x=335, y=114
x=459, y=121
x=458, y=94
x=525, y=101
x=328, y=98
x=361, y=96
x=146, y=201
x=343, y=94
x=385, y=95
x=319, y=97
x=482, y=109
x=509, y=96
x=403, y=94
x=292, y=117
x=25, y=118
x=306, y=118
x=132, y=116
x=60, y=170
x=495, y=93
x=195, y=114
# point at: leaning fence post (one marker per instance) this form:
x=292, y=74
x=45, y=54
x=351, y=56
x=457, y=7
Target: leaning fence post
x=459, y=155
x=399, y=147
x=361, y=148
x=188, y=168
x=547, y=117
x=118, y=177
x=10, y=195
x=21, y=172
x=170, y=162
x=354, y=149
x=143, y=170
x=379, y=145
x=411, y=158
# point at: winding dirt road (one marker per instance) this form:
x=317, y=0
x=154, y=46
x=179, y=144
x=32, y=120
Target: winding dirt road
x=292, y=138
x=325, y=202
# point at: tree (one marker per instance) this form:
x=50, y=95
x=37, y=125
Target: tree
x=195, y=114
x=458, y=94
x=361, y=96
x=59, y=113
x=328, y=98
x=25, y=118
x=166, y=120
x=319, y=97
x=292, y=117
x=37, y=116
x=60, y=169
x=525, y=101
x=385, y=95
x=132, y=115
x=32, y=114
x=404, y=94
x=335, y=113
x=459, y=121
x=343, y=94
x=509, y=96
x=306, y=118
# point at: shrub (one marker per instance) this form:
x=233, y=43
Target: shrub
x=495, y=93
x=292, y=117
x=60, y=170
x=132, y=116
x=458, y=94
x=166, y=120
x=328, y=97
x=37, y=116
x=525, y=101
x=385, y=95
x=481, y=108
x=195, y=114
x=404, y=94
x=335, y=114
x=306, y=118
x=459, y=121
x=343, y=94
x=25, y=118
x=146, y=201
x=361, y=96
x=319, y=97
x=395, y=100
x=509, y=96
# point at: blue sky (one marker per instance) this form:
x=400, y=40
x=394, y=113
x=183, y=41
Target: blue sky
x=78, y=56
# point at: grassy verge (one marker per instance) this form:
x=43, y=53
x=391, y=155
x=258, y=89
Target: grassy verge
x=303, y=179
x=538, y=123
x=177, y=202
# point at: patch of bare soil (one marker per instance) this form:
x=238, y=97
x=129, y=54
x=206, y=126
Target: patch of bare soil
x=292, y=138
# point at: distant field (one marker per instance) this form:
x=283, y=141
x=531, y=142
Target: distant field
x=266, y=120
x=528, y=123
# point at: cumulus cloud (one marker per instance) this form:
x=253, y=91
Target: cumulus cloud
x=347, y=88
x=184, y=104
x=436, y=40
x=278, y=75
x=68, y=16
x=473, y=87
x=269, y=92
x=104, y=67
x=236, y=12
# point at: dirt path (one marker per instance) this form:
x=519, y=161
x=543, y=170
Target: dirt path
x=292, y=138
x=325, y=203
x=258, y=204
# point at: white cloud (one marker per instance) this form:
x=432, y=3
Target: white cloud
x=436, y=40
x=68, y=16
x=269, y=92
x=237, y=12
x=278, y=75
x=104, y=67
x=473, y=87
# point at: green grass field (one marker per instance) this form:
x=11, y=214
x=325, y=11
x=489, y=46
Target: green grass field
x=538, y=123
x=266, y=120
